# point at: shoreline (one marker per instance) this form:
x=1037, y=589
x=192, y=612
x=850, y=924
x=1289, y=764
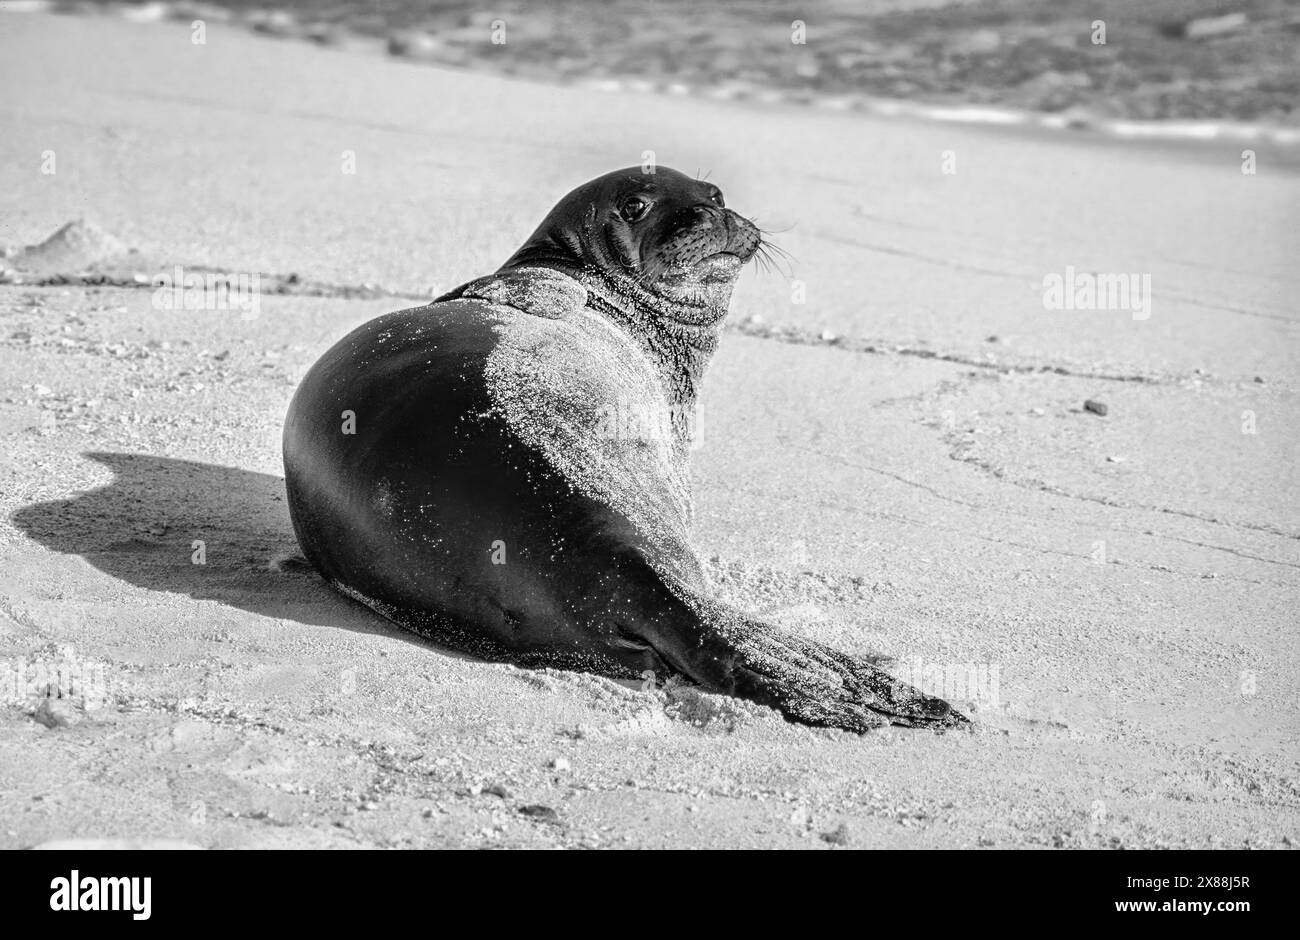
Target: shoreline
x=421, y=46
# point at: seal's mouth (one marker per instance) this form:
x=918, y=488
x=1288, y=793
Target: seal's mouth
x=717, y=267
x=697, y=267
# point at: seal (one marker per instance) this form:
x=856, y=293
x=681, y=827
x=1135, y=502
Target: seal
x=504, y=470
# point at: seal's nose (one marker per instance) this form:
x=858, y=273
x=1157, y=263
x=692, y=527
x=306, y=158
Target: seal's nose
x=708, y=217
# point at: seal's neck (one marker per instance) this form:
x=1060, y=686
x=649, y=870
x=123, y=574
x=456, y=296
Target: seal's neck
x=679, y=336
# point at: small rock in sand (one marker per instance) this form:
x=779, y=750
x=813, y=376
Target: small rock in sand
x=1095, y=407
x=57, y=713
x=837, y=836
x=541, y=813
x=561, y=764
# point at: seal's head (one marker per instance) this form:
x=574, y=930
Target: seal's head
x=663, y=239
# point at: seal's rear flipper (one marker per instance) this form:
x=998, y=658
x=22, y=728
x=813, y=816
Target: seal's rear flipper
x=818, y=685
x=806, y=681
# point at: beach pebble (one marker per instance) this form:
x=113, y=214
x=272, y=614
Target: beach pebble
x=541, y=813
x=57, y=713
x=837, y=836
x=1095, y=407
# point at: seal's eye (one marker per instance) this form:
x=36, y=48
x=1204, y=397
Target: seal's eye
x=715, y=197
x=633, y=209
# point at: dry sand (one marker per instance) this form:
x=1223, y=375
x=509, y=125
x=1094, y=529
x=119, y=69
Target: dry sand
x=879, y=475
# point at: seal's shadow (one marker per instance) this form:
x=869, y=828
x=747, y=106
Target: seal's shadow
x=142, y=528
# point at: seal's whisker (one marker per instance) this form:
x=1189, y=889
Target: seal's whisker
x=769, y=231
x=769, y=256
x=769, y=266
x=773, y=247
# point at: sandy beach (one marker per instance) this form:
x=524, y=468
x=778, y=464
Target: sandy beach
x=901, y=465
